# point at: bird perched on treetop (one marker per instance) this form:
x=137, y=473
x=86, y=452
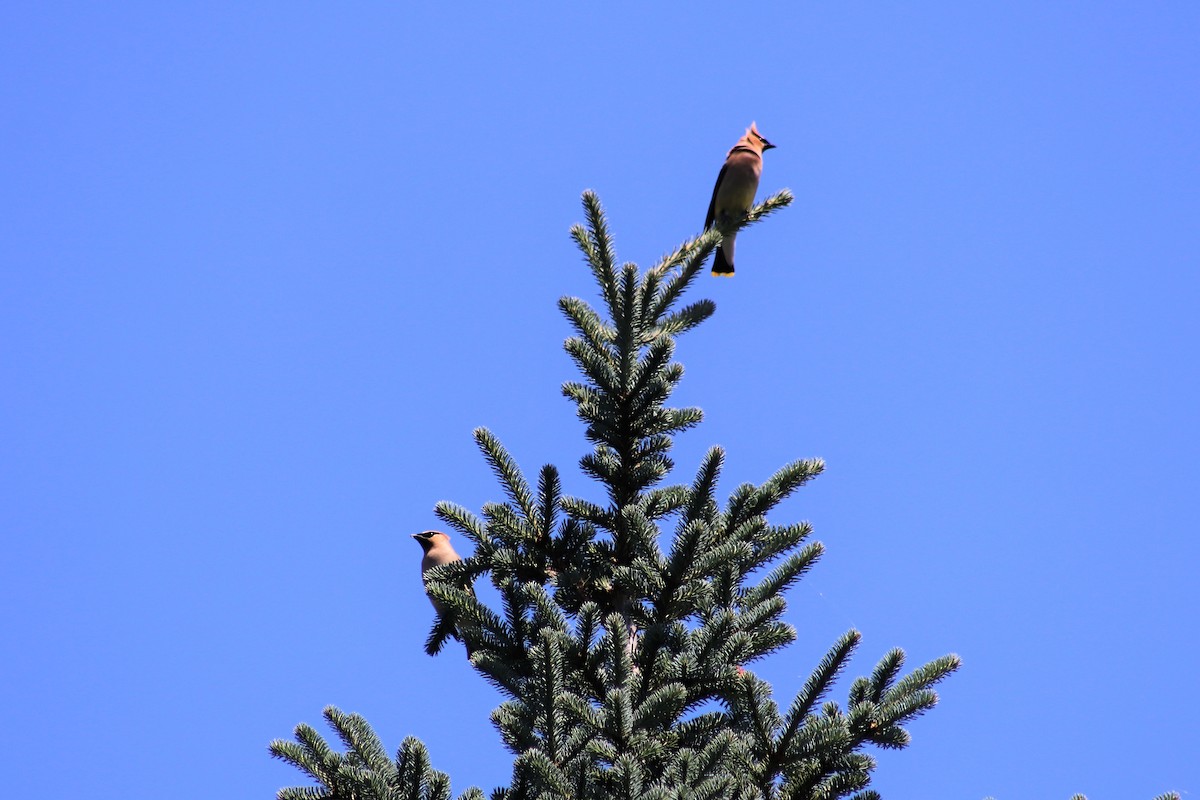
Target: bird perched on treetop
x=734, y=193
x=437, y=551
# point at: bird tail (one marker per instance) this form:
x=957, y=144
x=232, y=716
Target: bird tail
x=721, y=266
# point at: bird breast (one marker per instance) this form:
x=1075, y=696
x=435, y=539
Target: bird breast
x=737, y=190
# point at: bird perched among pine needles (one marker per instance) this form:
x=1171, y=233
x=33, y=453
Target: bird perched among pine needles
x=734, y=192
x=436, y=551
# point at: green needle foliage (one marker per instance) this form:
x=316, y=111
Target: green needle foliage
x=620, y=650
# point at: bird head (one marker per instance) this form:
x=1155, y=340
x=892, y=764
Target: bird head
x=753, y=135
x=428, y=539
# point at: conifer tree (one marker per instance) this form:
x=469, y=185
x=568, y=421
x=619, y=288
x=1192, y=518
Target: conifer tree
x=629, y=620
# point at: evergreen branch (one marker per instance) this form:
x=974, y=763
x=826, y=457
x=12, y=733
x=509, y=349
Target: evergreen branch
x=680, y=568
x=588, y=511
x=779, y=539
x=650, y=368
x=752, y=704
x=616, y=647
x=506, y=529
x=547, y=656
x=628, y=338
x=506, y=674
x=817, y=685
x=711, y=788
x=691, y=539
x=658, y=503
x=843, y=782
x=640, y=536
x=296, y=755
x=602, y=751
x=719, y=558
x=322, y=754
x=415, y=779
x=547, y=773
x=546, y=615
x=588, y=625
x=724, y=584
x=712, y=635
x=779, y=486
x=584, y=396
x=786, y=573
x=748, y=530
x=890, y=737
x=590, y=326
x=758, y=616
x=679, y=255
x=677, y=420
x=908, y=707
x=439, y=634
x=923, y=677
x=516, y=722
x=686, y=318
x=582, y=711
x=359, y=739
x=739, y=501
x=770, y=638
x=305, y=793
x=365, y=771
x=698, y=251
x=458, y=574
x=646, y=295
x=644, y=409
x=791, y=477
x=860, y=692
x=628, y=777
x=597, y=245
x=506, y=470
x=650, y=450
x=703, y=500
x=885, y=672
x=657, y=792
x=823, y=749
x=549, y=491
x=720, y=748
x=662, y=707
x=601, y=463
x=704, y=729
x=461, y=521
x=597, y=364
x=626, y=318
x=465, y=617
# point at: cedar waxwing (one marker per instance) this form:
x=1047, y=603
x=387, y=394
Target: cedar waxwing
x=437, y=550
x=734, y=193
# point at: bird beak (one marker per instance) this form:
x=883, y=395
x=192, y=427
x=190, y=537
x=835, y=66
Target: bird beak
x=767, y=145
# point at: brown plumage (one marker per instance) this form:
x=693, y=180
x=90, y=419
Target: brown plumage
x=733, y=194
x=437, y=550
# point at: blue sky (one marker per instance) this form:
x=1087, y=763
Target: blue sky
x=265, y=266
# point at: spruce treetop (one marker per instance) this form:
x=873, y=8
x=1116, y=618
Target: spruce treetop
x=623, y=661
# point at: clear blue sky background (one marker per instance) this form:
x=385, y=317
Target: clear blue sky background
x=265, y=266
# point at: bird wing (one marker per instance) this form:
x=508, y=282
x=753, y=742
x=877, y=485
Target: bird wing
x=712, y=204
